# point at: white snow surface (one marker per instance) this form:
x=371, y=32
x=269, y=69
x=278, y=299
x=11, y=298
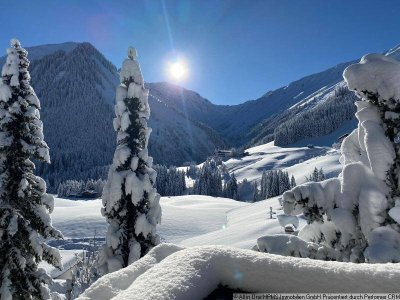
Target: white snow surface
x=298, y=161
x=201, y=220
x=167, y=272
x=375, y=73
x=191, y=220
x=183, y=217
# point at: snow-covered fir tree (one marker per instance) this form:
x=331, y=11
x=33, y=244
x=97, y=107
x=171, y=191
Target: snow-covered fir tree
x=284, y=182
x=356, y=217
x=81, y=189
x=24, y=204
x=245, y=191
x=256, y=193
x=292, y=182
x=131, y=203
x=316, y=175
x=274, y=183
x=192, y=171
x=170, y=181
x=209, y=181
x=231, y=188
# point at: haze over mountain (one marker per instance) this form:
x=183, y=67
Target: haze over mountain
x=76, y=85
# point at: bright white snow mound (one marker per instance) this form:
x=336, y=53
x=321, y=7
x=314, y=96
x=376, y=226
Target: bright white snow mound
x=168, y=272
x=375, y=73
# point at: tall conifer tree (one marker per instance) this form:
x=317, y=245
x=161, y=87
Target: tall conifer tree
x=24, y=204
x=131, y=203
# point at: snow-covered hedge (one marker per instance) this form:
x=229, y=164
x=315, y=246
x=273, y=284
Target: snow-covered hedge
x=355, y=217
x=170, y=272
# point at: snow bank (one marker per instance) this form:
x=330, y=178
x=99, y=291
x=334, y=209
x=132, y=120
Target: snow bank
x=112, y=284
x=193, y=273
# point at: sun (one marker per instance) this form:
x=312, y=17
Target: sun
x=177, y=70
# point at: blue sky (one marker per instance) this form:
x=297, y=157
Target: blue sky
x=235, y=50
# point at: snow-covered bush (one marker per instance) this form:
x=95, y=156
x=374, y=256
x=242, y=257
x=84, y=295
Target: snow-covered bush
x=24, y=204
x=357, y=215
x=131, y=203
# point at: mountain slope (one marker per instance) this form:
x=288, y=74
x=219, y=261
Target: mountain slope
x=252, y=122
x=76, y=86
x=75, y=89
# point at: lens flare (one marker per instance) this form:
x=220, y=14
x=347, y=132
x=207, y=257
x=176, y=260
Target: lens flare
x=177, y=70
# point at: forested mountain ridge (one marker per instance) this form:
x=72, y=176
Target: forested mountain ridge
x=76, y=86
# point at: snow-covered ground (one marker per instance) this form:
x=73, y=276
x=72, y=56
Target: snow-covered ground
x=298, y=161
x=244, y=225
x=207, y=234
x=78, y=219
x=191, y=220
x=169, y=272
x=195, y=220
x=183, y=217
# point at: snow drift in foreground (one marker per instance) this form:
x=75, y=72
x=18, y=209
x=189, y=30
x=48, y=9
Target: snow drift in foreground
x=170, y=272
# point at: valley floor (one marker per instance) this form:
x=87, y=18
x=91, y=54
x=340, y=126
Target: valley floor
x=207, y=242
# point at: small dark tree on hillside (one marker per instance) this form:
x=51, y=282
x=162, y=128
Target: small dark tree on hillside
x=231, y=188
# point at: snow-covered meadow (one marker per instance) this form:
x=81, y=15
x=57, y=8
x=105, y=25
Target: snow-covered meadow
x=298, y=161
x=200, y=220
x=195, y=220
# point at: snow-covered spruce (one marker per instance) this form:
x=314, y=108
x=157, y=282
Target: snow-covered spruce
x=131, y=203
x=170, y=181
x=24, y=204
x=275, y=183
x=356, y=217
x=209, y=181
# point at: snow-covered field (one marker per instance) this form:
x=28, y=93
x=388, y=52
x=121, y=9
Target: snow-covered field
x=207, y=234
x=298, y=161
x=244, y=225
x=183, y=217
x=195, y=220
x=187, y=220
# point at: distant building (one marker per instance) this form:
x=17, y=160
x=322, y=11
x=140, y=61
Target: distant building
x=230, y=153
x=223, y=153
